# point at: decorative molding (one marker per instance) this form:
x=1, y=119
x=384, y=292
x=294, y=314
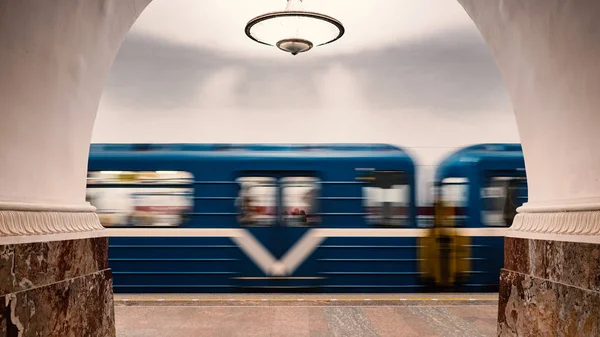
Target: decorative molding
x=17, y=240
x=45, y=207
x=594, y=239
x=561, y=223
x=21, y=223
x=571, y=205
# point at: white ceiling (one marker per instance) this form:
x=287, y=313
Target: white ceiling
x=409, y=72
x=370, y=24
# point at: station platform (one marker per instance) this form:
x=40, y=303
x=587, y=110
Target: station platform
x=306, y=315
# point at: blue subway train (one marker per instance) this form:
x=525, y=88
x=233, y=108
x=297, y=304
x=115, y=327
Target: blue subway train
x=318, y=217
x=477, y=191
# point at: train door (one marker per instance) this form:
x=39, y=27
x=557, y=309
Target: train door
x=277, y=210
x=444, y=255
x=257, y=214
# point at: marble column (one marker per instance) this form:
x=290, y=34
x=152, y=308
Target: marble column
x=54, y=59
x=548, y=52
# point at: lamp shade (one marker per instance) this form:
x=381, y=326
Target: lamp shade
x=294, y=31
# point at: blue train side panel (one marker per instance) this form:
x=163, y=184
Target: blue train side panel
x=383, y=264
x=168, y=264
x=211, y=251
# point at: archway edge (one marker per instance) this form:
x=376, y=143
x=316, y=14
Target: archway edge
x=63, y=52
x=547, y=52
x=56, y=57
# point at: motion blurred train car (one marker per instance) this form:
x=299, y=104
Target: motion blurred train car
x=477, y=192
x=227, y=218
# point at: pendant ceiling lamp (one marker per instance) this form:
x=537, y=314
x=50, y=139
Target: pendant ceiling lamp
x=294, y=30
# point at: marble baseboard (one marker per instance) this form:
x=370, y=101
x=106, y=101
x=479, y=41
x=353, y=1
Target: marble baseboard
x=530, y=306
x=570, y=263
x=77, y=307
x=549, y=288
x=29, y=265
x=59, y=288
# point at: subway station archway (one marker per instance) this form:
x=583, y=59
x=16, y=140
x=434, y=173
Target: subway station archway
x=55, y=58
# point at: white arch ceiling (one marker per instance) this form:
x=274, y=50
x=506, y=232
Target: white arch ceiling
x=220, y=24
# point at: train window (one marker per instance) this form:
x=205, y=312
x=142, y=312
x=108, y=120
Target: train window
x=257, y=202
x=300, y=195
x=453, y=201
x=500, y=198
x=387, y=199
x=141, y=198
x=454, y=192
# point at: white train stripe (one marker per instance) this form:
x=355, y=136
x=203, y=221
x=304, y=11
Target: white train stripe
x=300, y=251
x=370, y=232
x=176, y=232
x=256, y=252
x=491, y=231
x=321, y=232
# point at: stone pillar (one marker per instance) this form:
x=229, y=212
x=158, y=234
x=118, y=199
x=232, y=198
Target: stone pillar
x=548, y=52
x=54, y=59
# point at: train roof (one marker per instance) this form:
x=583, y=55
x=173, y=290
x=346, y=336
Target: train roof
x=251, y=150
x=481, y=157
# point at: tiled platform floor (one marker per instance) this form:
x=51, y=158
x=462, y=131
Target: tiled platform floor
x=306, y=315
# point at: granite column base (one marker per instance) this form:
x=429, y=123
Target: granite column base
x=57, y=288
x=549, y=288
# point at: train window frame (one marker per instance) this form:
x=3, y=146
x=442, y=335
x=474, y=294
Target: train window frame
x=128, y=185
x=443, y=204
x=378, y=183
x=300, y=220
x=265, y=221
x=502, y=216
